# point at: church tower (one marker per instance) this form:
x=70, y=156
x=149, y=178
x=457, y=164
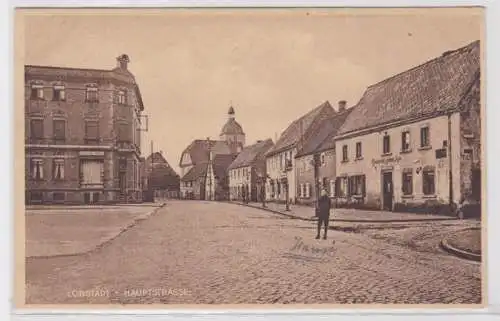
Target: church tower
x=232, y=133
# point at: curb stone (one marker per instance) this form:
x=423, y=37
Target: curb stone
x=312, y=219
x=458, y=252
x=99, y=246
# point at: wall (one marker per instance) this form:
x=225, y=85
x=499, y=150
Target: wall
x=372, y=162
x=275, y=172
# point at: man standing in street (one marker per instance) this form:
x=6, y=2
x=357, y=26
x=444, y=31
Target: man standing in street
x=323, y=213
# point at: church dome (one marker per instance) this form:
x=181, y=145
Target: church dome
x=232, y=127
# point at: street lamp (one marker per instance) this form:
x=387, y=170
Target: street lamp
x=288, y=168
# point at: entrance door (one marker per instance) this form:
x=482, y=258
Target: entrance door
x=387, y=190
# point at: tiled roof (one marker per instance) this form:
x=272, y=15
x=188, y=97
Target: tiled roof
x=159, y=161
x=298, y=128
x=221, y=164
x=251, y=153
x=433, y=87
x=199, y=150
x=197, y=171
x=322, y=138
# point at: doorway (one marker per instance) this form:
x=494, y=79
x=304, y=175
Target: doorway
x=387, y=191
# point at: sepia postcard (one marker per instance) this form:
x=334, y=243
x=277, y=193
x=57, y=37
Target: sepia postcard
x=263, y=158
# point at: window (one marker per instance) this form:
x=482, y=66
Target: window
x=359, y=152
x=278, y=189
x=428, y=181
x=386, y=142
x=332, y=188
x=121, y=97
x=37, y=169
x=308, y=190
x=92, y=172
x=92, y=94
x=424, y=137
x=59, y=93
x=36, y=91
x=344, y=153
x=405, y=141
x=356, y=185
x=36, y=128
x=123, y=132
x=324, y=182
x=59, y=129
x=92, y=131
x=58, y=196
x=301, y=190
x=407, y=182
x=58, y=169
x=341, y=187
x=322, y=157
x=35, y=196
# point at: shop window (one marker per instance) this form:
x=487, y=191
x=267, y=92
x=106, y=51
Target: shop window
x=407, y=182
x=428, y=180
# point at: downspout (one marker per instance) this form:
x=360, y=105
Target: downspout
x=450, y=163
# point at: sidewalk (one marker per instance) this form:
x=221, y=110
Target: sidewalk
x=90, y=207
x=306, y=213
x=68, y=232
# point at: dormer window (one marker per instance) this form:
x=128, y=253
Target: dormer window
x=36, y=91
x=92, y=94
x=59, y=93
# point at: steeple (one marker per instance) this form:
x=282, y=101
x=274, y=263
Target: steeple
x=230, y=113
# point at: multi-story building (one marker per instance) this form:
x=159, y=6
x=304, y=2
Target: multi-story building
x=248, y=171
x=195, y=159
x=316, y=167
x=280, y=159
x=82, y=137
x=413, y=140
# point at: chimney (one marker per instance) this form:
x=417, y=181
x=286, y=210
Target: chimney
x=342, y=104
x=122, y=61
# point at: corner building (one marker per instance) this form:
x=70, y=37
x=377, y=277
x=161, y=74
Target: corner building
x=82, y=135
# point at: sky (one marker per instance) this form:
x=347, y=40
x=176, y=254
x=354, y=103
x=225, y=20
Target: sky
x=272, y=66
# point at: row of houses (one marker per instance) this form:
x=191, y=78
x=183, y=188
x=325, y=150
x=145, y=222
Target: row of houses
x=413, y=141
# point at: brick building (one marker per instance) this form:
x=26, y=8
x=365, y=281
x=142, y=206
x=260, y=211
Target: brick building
x=413, y=140
x=280, y=159
x=245, y=170
x=316, y=164
x=82, y=134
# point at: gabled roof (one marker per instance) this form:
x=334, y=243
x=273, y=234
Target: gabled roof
x=157, y=160
x=322, y=138
x=251, y=153
x=221, y=163
x=300, y=127
x=197, y=171
x=431, y=88
x=199, y=150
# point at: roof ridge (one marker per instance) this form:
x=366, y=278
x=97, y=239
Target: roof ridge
x=421, y=65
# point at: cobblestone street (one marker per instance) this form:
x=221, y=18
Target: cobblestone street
x=206, y=252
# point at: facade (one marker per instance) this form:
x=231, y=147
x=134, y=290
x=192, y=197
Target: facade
x=413, y=140
x=83, y=135
x=280, y=159
x=248, y=171
x=161, y=177
x=196, y=157
x=217, y=180
x=316, y=164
